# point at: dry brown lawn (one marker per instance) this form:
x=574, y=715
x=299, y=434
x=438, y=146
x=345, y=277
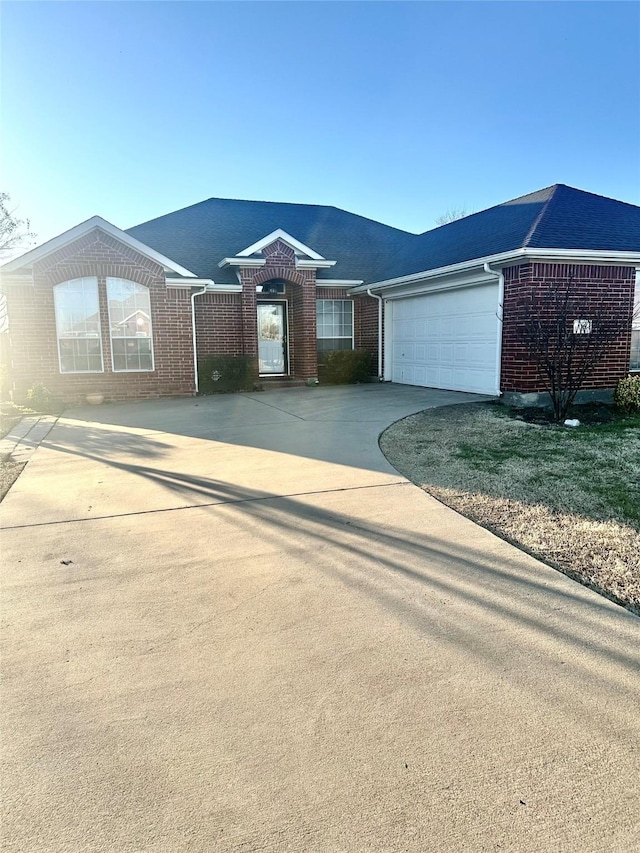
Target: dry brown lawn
x=569, y=496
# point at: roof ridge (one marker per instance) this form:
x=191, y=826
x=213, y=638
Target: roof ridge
x=597, y=195
x=297, y=204
x=540, y=216
x=490, y=208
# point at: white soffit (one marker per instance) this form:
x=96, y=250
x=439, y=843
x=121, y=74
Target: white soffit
x=338, y=282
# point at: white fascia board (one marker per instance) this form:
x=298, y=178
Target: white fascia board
x=208, y=283
x=279, y=234
x=337, y=282
x=261, y=262
x=452, y=269
x=188, y=282
x=242, y=262
x=590, y=256
x=454, y=282
x=314, y=265
x=224, y=288
x=84, y=228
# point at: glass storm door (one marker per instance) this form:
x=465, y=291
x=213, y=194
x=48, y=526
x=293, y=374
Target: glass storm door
x=272, y=337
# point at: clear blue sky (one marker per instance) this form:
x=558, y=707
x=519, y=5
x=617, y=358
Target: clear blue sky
x=397, y=111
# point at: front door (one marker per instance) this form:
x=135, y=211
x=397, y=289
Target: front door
x=272, y=338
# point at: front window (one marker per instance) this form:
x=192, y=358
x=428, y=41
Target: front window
x=635, y=329
x=130, y=325
x=78, y=326
x=334, y=324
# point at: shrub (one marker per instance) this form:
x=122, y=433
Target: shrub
x=41, y=399
x=343, y=367
x=627, y=394
x=219, y=374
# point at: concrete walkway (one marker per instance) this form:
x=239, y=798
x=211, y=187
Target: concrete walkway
x=20, y=442
x=230, y=625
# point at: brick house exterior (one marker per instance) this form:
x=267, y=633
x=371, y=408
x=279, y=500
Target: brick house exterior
x=597, y=285
x=32, y=328
x=439, y=309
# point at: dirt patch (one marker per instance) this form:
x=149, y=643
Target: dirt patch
x=571, y=497
x=591, y=414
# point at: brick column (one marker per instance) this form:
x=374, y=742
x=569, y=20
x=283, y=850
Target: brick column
x=249, y=313
x=303, y=327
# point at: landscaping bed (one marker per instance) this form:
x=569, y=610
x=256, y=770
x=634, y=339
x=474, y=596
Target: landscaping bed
x=569, y=496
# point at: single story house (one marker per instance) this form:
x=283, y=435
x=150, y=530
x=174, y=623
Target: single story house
x=130, y=313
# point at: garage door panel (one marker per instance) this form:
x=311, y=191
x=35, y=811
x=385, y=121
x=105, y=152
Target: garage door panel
x=447, y=339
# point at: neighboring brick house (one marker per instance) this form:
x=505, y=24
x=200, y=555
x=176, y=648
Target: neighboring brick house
x=129, y=313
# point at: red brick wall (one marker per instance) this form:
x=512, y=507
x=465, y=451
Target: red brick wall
x=33, y=341
x=219, y=324
x=366, y=328
x=596, y=284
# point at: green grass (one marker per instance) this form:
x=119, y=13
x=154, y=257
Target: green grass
x=590, y=470
x=569, y=495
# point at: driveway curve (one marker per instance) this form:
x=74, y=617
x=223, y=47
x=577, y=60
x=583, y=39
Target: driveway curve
x=230, y=625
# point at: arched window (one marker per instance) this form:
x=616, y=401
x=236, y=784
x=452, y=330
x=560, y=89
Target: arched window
x=78, y=326
x=130, y=325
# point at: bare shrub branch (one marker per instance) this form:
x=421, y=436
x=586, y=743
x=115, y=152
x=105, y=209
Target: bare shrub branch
x=14, y=232
x=568, y=332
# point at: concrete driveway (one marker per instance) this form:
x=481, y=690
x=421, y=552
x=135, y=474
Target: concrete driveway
x=230, y=625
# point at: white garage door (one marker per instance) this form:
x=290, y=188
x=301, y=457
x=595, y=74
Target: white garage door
x=447, y=339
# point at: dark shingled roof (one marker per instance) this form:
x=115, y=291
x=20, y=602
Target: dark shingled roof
x=200, y=236
x=557, y=217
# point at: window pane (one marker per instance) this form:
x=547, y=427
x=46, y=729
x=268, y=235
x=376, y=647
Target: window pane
x=130, y=325
x=132, y=354
x=78, y=326
x=334, y=323
x=328, y=344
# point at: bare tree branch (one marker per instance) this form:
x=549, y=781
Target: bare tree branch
x=14, y=232
x=568, y=333
x=451, y=215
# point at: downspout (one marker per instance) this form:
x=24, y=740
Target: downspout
x=193, y=330
x=500, y=316
x=379, y=298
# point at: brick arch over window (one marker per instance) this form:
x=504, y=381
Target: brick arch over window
x=288, y=274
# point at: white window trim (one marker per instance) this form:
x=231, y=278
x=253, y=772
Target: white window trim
x=111, y=339
x=353, y=323
x=58, y=338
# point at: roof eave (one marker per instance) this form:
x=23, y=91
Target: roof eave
x=599, y=256
x=301, y=263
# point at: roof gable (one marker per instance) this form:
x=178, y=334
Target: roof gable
x=298, y=247
x=96, y=222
